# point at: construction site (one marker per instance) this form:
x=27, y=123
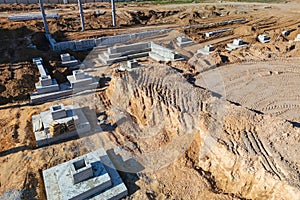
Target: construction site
x=149, y=100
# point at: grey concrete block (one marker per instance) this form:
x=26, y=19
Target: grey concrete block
x=47, y=89
x=103, y=41
x=40, y=98
x=37, y=59
x=84, y=44
x=45, y=80
x=238, y=42
x=80, y=81
x=41, y=69
x=208, y=49
x=81, y=170
x=65, y=57
x=58, y=111
x=162, y=51
x=182, y=39
x=78, y=74
x=184, y=44
x=130, y=47
x=105, y=184
x=132, y=63
x=41, y=124
x=297, y=37
x=263, y=38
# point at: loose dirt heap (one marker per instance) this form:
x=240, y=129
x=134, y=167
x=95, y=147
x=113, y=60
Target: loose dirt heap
x=17, y=82
x=239, y=151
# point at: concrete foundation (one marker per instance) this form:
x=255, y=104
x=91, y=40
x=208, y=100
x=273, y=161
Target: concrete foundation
x=263, y=38
x=132, y=64
x=212, y=33
x=69, y=61
x=39, y=63
x=208, y=49
x=91, y=176
x=47, y=89
x=42, y=89
x=297, y=38
x=81, y=80
x=82, y=45
x=36, y=98
x=183, y=41
x=62, y=115
x=237, y=43
x=137, y=50
x=45, y=84
x=285, y=32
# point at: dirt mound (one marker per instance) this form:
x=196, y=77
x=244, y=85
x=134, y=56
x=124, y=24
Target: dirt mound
x=244, y=30
x=17, y=82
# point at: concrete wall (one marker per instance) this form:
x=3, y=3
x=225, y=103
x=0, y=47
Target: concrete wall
x=162, y=51
x=47, y=89
x=81, y=45
x=130, y=47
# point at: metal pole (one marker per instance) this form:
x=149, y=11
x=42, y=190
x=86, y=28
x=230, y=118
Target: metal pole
x=81, y=14
x=44, y=17
x=113, y=12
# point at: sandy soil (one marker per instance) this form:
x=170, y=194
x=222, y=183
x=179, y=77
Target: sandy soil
x=268, y=87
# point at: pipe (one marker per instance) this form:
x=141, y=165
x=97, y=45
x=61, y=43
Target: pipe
x=44, y=17
x=113, y=12
x=81, y=15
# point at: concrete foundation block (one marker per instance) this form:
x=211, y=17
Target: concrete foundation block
x=45, y=80
x=36, y=98
x=104, y=184
x=81, y=170
x=132, y=64
x=65, y=57
x=238, y=42
x=78, y=74
x=46, y=89
x=208, y=49
x=184, y=44
x=297, y=37
x=263, y=38
x=58, y=111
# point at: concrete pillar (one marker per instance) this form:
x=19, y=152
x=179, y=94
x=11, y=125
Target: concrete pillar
x=81, y=15
x=113, y=11
x=44, y=17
